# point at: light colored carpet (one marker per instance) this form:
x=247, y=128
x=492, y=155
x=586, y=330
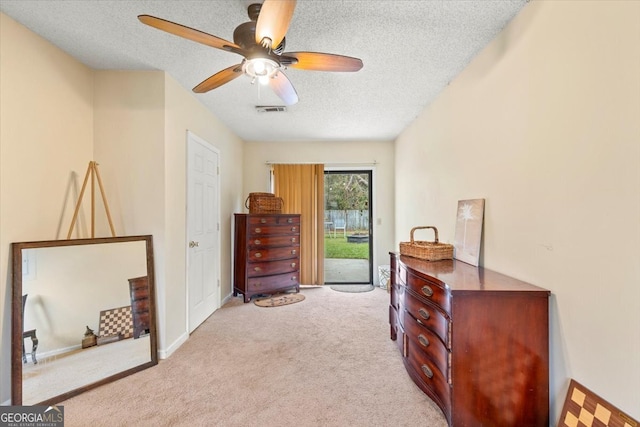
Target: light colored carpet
x=58, y=374
x=325, y=362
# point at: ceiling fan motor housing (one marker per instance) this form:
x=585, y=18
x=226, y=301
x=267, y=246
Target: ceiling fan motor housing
x=254, y=10
x=245, y=34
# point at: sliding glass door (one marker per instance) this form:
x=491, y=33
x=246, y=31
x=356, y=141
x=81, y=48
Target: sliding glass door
x=348, y=235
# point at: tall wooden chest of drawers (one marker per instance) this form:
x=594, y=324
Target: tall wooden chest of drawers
x=267, y=254
x=474, y=340
x=139, y=290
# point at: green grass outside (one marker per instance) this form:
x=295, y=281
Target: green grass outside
x=338, y=247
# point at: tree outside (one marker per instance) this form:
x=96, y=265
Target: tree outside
x=345, y=192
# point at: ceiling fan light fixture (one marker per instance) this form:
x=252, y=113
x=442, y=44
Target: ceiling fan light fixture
x=260, y=68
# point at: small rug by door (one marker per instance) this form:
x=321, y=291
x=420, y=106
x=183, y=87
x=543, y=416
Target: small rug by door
x=279, y=300
x=352, y=288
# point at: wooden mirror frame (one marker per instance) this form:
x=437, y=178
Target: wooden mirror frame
x=17, y=327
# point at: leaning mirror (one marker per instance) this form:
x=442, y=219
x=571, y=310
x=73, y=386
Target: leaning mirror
x=83, y=314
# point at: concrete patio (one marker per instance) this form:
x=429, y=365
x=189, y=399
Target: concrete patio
x=346, y=270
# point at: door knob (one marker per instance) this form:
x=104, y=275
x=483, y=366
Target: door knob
x=193, y=244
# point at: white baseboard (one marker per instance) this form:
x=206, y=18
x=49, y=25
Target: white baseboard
x=164, y=354
x=226, y=299
x=41, y=356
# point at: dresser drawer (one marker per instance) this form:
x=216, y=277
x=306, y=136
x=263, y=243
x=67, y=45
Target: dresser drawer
x=429, y=374
x=400, y=335
x=276, y=219
x=139, y=293
x=256, y=285
x=275, y=267
x=268, y=230
x=429, y=316
x=274, y=241
x=401, y=313
x=428, y=290
x=271, y=254
x=140, y=305
x=393, y=301
x=393, y=322
x=397, y=295
x=142, y=318
x=429, y=342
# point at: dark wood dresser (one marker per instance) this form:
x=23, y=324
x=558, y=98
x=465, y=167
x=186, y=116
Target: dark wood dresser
x=267, y=254
x=139, y=290
x=474, y=340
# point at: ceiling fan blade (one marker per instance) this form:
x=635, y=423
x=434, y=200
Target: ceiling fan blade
x=282, y=87
x=190, y=33
x=219, y=78
x=317, y=61
x=273, y=22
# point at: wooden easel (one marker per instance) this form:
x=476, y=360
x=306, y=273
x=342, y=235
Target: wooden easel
x=92, y=171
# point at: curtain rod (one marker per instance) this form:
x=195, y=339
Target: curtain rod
x=373, y=163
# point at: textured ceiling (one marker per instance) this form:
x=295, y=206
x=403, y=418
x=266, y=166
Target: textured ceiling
x=410, y=51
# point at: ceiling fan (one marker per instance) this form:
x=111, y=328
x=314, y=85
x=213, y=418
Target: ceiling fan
x=261, y=42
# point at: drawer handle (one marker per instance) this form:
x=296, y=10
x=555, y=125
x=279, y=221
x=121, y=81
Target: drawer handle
x=257, y=241
x=427, y=371
x=426, y=289
x=293, y=228
x=263, y=220
x=293, y=264
x=424, y=313
x=257, y=285
x=257, y=269
x=289, y=220
x=294, y=278
x=258, y=230
x=423, y=340
x=293, y=251
x=293, y=240
x=258, y=255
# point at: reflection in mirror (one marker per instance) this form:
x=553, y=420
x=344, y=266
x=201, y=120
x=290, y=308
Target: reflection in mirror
x=83, y=315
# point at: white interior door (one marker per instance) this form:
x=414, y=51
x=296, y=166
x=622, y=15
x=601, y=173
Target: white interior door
x=203, y=230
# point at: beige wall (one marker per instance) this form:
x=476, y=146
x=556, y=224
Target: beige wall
x=142, y=118
x=340, y=154
x=129, y=146
x=55, y=116
x=46, y=141
x=183, y=112
x=544, y=124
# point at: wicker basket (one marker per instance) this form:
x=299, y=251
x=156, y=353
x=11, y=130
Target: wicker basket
x=430, y=251
x=263, y=203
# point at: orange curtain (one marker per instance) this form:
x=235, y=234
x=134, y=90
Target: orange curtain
x=302, y=190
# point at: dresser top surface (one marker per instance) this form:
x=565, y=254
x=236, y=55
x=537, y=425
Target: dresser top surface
x=460, y=276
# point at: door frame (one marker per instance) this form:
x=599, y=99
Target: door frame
x=372, y=209
x=196, y=139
